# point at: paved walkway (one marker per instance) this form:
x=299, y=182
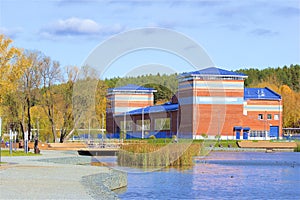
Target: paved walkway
x=34, y=177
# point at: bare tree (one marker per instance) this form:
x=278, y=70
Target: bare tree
x=29, y=84
x=68, y=127
x=50, y=74
x=83, y=97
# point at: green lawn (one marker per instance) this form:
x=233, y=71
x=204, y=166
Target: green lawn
x=17, y=153
x=216, y=143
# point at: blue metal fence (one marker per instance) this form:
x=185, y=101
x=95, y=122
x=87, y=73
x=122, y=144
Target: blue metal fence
x=113, y=135
x=135, y=135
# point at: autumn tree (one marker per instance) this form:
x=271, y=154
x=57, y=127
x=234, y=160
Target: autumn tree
x=50, y=73
x=267, y=84
x=84, y=99
x=29, y=85
x=11, y=106
x=66, y=90
x=291, y=107
x=11, y=66
x=40, y=122
x=100, y=102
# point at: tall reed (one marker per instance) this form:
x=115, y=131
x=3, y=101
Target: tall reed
x=155, y=155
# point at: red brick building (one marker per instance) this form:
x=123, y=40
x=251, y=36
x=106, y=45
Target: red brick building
x=211, y=102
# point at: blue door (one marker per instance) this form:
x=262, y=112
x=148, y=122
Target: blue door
x=245, y=135
x=237, y=135
x=274, y=131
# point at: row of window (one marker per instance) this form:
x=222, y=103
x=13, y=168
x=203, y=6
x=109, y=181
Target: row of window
x=254, y=133
x=269, y=116
x=159, y=124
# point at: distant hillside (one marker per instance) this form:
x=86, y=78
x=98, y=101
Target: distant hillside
x=289, y=76
x=166, y=85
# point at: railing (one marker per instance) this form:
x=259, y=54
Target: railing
x=104, y=145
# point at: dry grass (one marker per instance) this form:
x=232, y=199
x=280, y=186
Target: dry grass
x=154, y=155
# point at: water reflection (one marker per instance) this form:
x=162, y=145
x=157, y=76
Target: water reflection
x=111, y=161
x=242, y=175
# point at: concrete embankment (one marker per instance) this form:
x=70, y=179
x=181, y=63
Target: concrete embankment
x=58, y=175
x=268, y=145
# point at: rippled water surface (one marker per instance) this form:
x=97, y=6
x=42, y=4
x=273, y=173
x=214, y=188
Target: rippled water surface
x=223, y=175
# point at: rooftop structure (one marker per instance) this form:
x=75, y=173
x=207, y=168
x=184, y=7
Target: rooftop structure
x=261, y=93
x=131, y=88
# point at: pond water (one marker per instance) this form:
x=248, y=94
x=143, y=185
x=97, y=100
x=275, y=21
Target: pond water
x=222, y=175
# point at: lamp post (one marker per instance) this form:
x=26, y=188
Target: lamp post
x=36, y=138
x=26, y=141
x=38, y=127
x=11, y=138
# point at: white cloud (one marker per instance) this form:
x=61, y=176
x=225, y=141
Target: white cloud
x=11, y=32
x=75, y=27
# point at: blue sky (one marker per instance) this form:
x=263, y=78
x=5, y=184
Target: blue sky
x=235, y=34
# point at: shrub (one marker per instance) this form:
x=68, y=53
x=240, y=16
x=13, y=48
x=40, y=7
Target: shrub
x=152, y=137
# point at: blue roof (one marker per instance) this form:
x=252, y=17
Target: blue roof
x=237, y=128
x=132, y=87
x=213, y=71
x=246, y=129
x=152, y=109
x=260, y=93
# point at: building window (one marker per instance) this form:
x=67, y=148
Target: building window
x=276, y=117
x=162, y=124
x=128, y=125
x=260, y=116
x=269, y=116
x=146, y=125
x=260, y=134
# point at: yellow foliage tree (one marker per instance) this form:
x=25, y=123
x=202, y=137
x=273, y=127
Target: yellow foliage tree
x=12, y=65
x=40, y=120
x=291, y=107
x=100, y=103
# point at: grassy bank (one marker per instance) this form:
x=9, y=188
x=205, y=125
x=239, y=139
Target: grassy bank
x=17, y=153
x=220, y=143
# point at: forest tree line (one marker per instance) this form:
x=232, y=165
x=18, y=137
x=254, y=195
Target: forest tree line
x=36, y=92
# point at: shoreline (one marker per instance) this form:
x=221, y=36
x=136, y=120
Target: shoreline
x=58, y=175
x=226, y=149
